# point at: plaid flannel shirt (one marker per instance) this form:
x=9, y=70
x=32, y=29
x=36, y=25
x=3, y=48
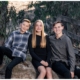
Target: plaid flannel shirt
x=18, y=43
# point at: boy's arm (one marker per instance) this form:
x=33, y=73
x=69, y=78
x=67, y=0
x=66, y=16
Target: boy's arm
x=8, y=42
x=71, y=55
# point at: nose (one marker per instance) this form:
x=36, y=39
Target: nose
x=38, y=27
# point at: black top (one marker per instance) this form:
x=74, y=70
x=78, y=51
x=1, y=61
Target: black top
x=39, y=53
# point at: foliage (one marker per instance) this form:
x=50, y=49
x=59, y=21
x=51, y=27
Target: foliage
x=20, y=15
x=3, y=17
x=13, y=15
x=9, y=18
x=44, y=9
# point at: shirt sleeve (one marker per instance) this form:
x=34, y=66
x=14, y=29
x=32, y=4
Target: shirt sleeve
x=31, y=50
x=8, y=42
x=48, y=49
x=71, y=55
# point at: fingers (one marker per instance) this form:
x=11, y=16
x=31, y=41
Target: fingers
x=72, y=74
x=44, y=63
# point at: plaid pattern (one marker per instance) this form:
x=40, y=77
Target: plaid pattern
x=18, y=43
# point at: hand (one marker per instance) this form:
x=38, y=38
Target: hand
x=72, y=74
x=44, y=63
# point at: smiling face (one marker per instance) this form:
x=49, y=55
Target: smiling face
x=58, y=28
x=38, y=26
x=24, y=26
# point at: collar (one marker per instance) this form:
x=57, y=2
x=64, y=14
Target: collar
x=60, y=37
x=25, y=32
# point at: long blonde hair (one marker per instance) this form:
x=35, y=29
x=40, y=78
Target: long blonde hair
x=43, y=39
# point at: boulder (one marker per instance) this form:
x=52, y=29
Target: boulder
x=26, y=71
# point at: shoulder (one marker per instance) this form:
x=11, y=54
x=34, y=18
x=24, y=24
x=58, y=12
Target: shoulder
x=66, y=38
x=12, y=33
x=51, y=36
x=15, y=32
x=47, y=38
x=30, y=36
x=28, y=32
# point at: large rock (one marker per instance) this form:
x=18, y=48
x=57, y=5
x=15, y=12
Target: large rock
x=23, y=70
x=54, y=75
x=26, y=70
x=2, y=71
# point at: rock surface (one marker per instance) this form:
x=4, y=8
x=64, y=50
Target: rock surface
x=23, y=71
x=26, y=70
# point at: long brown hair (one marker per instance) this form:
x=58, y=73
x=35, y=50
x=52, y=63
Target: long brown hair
x=43, y=39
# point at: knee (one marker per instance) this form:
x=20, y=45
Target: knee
x=2, y=49
x=48, y=71
x=43, y=71
x=67, y=74
x=8, y=68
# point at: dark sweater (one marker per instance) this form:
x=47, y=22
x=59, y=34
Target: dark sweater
x=39, y=53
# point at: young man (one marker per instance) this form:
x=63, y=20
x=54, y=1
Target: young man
x=15, y=47
x=63, y=56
